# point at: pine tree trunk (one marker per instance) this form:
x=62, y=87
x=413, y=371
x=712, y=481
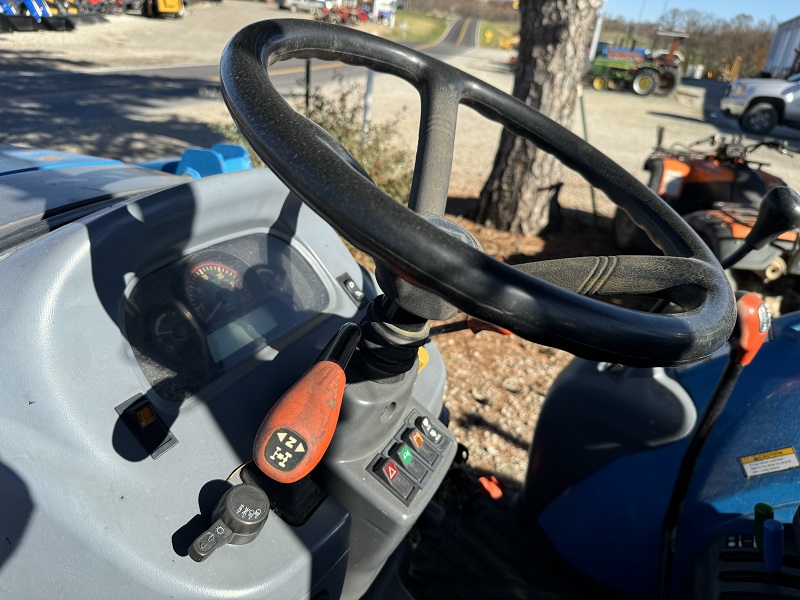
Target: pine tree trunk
x=552, y=56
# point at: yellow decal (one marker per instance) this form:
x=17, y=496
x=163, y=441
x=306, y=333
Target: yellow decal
x=773, y=461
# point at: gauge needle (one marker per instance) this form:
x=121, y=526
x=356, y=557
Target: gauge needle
x=216, y=308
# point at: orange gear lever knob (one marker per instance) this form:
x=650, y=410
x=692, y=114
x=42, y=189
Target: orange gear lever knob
x=297, y=431
x=476, y=325
x=471, y=323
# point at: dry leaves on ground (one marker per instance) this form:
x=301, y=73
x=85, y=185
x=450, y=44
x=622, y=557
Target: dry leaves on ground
x=496, y=384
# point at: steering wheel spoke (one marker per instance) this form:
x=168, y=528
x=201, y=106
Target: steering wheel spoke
x=439, y=101
x=543, y=303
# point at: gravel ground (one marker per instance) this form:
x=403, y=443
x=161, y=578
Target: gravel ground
x=496, y=384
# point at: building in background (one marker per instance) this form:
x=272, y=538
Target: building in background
x=784, y=53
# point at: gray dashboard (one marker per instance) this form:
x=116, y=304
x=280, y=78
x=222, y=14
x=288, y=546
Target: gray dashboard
x=86, y=309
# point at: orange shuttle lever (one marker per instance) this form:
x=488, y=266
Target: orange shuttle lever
x=753, y=325
x=752, y=328
x=298, y=430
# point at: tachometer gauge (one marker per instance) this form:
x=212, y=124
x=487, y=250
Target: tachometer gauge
x=215, y=291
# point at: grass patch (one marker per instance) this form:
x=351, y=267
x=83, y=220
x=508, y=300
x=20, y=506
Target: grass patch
x=421, y=28
x=498, y=34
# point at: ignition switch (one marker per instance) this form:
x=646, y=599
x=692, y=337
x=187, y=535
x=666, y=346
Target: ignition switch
x=238, y=518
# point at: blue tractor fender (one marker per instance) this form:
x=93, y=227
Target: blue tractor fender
x=202, y=162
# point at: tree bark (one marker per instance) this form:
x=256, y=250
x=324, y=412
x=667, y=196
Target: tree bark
x=552, y=56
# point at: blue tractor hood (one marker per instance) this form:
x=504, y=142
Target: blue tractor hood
x=36, y=185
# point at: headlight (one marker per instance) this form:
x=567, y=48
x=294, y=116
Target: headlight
x=737, y=89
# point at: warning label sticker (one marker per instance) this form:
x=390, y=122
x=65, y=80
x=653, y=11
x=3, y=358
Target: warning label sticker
x=770, y=462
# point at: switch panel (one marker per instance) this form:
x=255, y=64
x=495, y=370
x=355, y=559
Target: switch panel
x=411, y=457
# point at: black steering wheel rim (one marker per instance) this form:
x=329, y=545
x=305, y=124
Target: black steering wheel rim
x=309, y=162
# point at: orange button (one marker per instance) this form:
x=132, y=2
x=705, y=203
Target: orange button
x=417, y=438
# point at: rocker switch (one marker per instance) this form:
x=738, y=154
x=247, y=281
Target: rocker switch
x=351, y=288
x=388, y=472
x=428, y=428
x=422, y=447
x=404, y=457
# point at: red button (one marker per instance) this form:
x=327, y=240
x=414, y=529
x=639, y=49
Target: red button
x=391, y=470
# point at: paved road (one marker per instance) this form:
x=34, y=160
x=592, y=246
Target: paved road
x=463, y=33
x=97, y=96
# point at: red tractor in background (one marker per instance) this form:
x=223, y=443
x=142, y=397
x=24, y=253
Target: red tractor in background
x=343, y=14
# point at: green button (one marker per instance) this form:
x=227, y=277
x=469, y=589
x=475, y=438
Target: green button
x=405, y=454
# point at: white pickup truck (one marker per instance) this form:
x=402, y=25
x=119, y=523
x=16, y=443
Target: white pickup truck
x=762, y=104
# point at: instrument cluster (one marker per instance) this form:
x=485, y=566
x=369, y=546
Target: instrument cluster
x=192, y=320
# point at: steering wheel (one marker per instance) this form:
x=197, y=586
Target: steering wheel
x=544, y=302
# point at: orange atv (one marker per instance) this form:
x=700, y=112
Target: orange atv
x=770, y=268
x=724, y=229
x=718, y=193
x=694, y=177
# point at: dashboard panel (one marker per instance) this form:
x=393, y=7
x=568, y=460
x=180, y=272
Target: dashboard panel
x=99, y=307
x=192, y=320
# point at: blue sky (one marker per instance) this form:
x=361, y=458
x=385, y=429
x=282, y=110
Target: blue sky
x=651, y=10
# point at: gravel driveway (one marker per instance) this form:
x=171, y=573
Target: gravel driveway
x=496, y=385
